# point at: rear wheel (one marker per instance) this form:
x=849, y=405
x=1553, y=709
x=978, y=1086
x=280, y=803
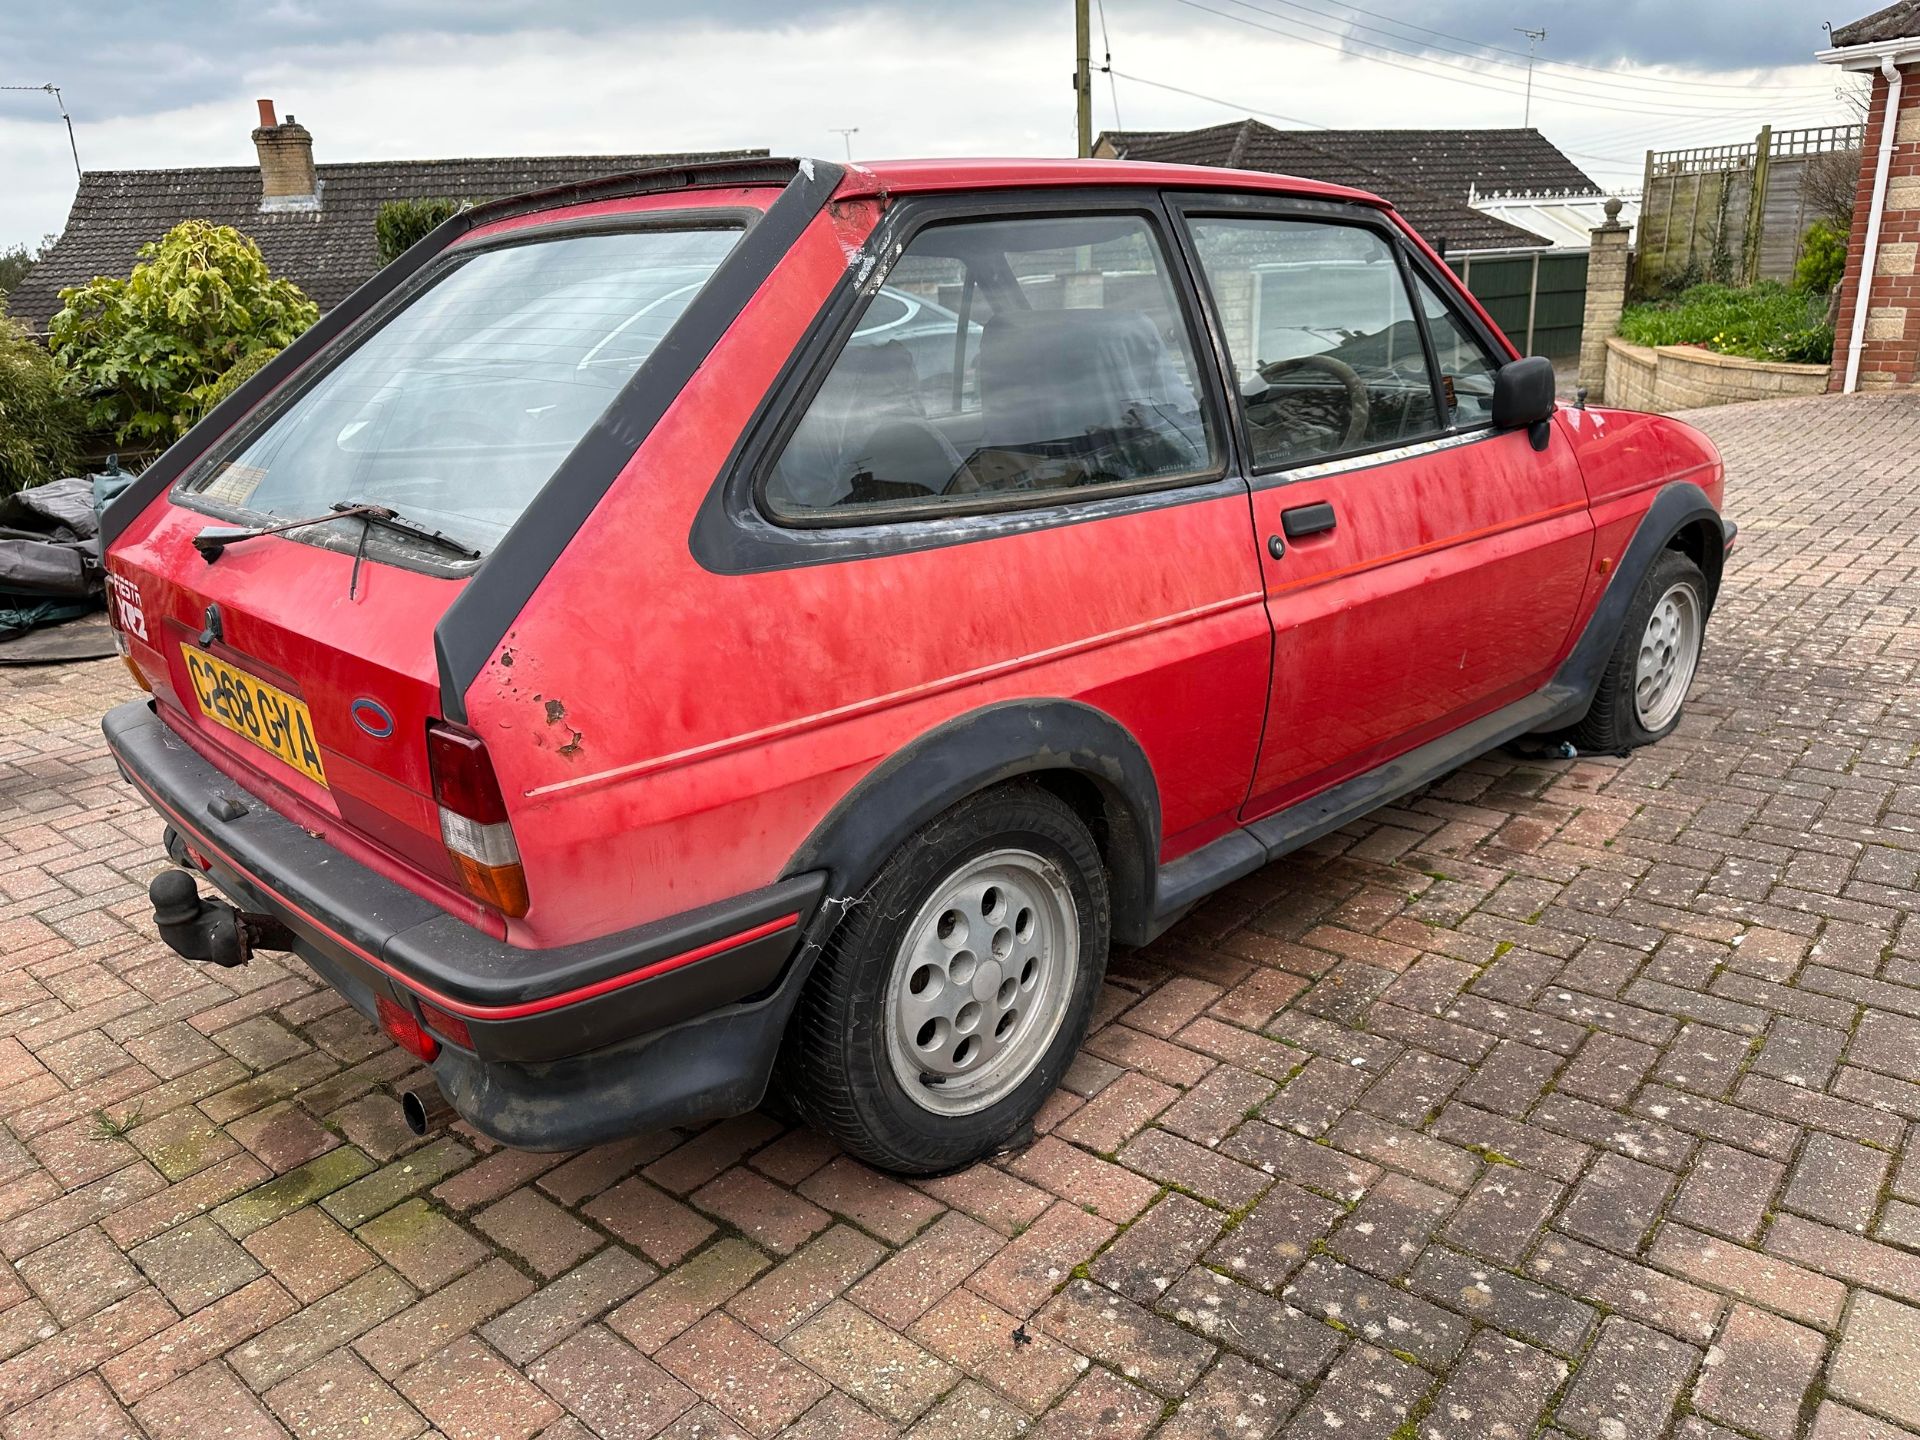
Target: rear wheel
x=951, y=999
x=1644, y=687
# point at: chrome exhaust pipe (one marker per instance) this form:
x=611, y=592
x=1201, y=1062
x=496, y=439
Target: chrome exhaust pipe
x=426, y=1111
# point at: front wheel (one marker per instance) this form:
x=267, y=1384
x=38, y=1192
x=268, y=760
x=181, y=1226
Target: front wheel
x=949, y=1002
x=1645, y=684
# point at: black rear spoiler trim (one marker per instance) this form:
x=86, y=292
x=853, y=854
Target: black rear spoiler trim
x=471, y=631
x=466, y=636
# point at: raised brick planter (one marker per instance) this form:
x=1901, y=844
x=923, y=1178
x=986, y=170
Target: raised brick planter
x=1685, y=377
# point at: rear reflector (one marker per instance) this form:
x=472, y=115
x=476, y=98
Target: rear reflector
x=124, y=650
x=404, y=1030
x=448, y=1027
x=473, y=819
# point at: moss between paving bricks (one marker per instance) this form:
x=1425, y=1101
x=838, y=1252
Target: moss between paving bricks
x=387, y=1187
x=284, y=1194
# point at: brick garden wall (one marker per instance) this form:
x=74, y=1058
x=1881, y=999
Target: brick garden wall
x=1891, y=353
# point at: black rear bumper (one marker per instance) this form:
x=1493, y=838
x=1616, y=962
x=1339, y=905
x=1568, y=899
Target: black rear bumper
x=667, y=1023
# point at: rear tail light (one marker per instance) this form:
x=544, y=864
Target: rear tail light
x=404, y=1030
x=473, y=819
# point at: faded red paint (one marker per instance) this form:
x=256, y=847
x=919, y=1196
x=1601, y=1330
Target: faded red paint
x=667, y=737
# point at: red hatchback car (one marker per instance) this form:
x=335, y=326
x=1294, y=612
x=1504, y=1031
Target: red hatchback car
x=778, y=622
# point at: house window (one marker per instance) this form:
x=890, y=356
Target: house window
x=1003, y=361
x=1325, y=347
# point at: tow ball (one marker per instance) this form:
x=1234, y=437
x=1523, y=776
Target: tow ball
x=199, y=927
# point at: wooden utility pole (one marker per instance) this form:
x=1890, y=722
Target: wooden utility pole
x=1082, y=79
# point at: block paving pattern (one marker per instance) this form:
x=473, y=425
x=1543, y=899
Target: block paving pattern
x=1572, y=1099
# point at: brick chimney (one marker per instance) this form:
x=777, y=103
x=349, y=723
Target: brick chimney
x=287, y=177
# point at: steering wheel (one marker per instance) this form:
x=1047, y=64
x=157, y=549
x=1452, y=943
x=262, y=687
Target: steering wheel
x=1353, y=388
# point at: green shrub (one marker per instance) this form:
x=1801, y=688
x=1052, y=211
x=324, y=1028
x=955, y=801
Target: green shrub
x=41, y=420
x=400, y=223
x=1823, y=258
x=15, y=262
x=147, y=349
x=248, y=366
x=1767, y=321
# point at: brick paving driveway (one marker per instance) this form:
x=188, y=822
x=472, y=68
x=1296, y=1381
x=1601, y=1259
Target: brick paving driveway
x=1578, y=1099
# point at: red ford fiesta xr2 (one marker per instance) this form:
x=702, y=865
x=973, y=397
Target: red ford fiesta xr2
x=783, y=620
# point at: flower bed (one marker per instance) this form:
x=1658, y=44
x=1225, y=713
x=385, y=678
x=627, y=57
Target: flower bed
x=1767, y=321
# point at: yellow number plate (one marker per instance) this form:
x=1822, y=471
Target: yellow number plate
x=256, y=711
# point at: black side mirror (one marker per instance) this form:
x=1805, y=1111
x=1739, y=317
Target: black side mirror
x=1523, y=397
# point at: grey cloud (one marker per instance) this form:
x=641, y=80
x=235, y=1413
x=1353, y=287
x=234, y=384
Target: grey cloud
x=1710, y=34
x=130, y=59
x=118, y=59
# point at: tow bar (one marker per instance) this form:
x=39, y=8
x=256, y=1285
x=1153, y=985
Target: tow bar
x=208, y=930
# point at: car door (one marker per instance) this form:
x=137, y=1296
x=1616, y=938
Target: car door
x=1033, y=499
x=1420, y=568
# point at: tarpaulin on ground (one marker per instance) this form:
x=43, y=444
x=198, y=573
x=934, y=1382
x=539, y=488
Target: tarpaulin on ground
x=49, y=556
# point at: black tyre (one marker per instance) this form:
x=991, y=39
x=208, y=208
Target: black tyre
x=1644, y=687
x=952, y=997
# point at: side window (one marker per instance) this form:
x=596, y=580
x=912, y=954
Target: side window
x=1466, y=365
x=1325, y=346
x=1003, y=356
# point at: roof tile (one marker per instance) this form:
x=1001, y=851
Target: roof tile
x=328, y=252
x=1895, y=22
x=1426, y=174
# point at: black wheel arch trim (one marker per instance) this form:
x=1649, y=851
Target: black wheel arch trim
x=1682, y=512
x=1054, y=742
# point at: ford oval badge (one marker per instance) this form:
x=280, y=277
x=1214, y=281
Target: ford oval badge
x=373, y=717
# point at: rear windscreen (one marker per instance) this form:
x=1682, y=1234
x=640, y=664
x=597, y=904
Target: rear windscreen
x=460, y=406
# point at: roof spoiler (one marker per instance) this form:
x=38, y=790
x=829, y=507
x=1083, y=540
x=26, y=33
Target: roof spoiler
x=658, y=180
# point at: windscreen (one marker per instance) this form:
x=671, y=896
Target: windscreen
x=462, y=404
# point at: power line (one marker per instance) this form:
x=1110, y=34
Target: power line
x=1217, y=100
x=1479, y=78
x=1504, y=84
x=1555, y=64
x=1685, y=130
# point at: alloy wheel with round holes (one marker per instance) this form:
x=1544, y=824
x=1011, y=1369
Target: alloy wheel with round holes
x=1644, y=687
x=980, y=986
x=949, y=1002
x=1669, y=651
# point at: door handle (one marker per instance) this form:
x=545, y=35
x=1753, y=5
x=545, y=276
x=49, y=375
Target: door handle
x=1308, y=520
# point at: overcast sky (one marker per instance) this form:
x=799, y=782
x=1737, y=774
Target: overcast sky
x=172, y=82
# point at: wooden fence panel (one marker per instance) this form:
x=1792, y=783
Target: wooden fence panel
x=1700, y=217
x=1538, y=299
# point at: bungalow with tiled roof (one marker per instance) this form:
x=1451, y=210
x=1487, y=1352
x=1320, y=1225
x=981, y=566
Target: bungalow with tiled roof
x=1430, y=176
x=313, y=223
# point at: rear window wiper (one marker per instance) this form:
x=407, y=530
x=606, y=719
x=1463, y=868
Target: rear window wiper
x=213, y=541
x=388, y=518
